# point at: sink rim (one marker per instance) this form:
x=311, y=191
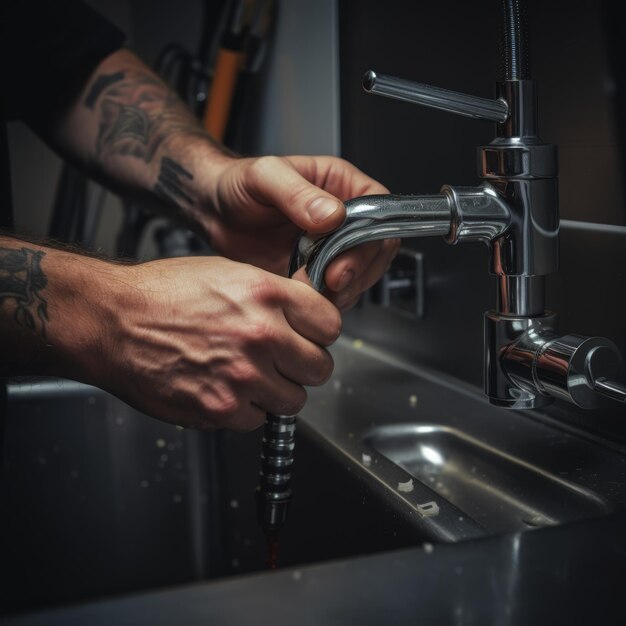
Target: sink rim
x=381, y=437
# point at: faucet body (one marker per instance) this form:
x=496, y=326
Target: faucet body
x=515, y=212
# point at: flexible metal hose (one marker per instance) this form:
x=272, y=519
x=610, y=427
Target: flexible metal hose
x=514, y=49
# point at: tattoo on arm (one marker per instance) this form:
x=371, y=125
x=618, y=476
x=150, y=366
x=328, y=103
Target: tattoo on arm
x=137, y=112
x=173, y=179
x=100, y=84
x=23, y=280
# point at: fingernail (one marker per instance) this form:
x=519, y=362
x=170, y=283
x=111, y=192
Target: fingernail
x=346, y=278
x=322, y=208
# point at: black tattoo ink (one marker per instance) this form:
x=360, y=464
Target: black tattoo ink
x=126, y=127
x=22, y=280
x=101, y=83
x=170, y=186
x=137, y=113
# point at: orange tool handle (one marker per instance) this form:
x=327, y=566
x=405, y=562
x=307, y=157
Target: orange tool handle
x=217, y=110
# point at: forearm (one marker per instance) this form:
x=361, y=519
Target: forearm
x=131, y=132
x=55, y=308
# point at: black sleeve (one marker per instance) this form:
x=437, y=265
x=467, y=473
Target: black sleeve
x=50, y=50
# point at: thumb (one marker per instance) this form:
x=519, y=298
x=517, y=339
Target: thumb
x=275, y=181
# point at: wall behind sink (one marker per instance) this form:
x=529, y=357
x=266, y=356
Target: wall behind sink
x=576, y=61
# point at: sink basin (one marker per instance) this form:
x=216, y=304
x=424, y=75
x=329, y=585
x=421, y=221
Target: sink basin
x=435, y=451
x=499, y=491
x=388, y=455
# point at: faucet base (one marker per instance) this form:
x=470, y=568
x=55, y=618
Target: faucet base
x=525, y=401
x=508, y=375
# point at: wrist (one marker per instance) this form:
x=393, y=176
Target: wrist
x=85, y=313
x=60, y=316
x=187, y=173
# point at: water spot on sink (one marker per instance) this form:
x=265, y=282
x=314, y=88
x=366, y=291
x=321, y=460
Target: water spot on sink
x=336, y=385
x=297, y=574
x=413, y=401
x=160, y=443
x=357, y=344
x=366, y=459
x=428, y=548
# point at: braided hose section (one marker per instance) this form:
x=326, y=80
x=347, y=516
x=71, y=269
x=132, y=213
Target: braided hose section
x=274, y=492
x=514, y=48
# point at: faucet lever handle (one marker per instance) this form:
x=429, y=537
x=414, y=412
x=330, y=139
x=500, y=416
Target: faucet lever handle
x=436, y=97
x=610, y=389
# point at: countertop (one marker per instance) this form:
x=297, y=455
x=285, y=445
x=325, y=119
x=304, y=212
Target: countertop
x=570, y=574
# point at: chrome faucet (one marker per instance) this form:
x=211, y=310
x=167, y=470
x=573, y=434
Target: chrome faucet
x=515, y=212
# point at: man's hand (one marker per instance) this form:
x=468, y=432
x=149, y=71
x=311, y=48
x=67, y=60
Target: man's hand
x=133, y=132
x=262, y=205
x=202, y=342
x=210, y=343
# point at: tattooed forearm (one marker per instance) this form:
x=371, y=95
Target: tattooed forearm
x=173, y=182
x=137, y=113
x=22, y=282
x=100, y=84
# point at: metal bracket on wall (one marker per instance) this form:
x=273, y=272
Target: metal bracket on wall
x=402, y=287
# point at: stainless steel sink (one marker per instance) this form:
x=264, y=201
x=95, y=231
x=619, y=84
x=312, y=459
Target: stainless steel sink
x=498, y=490
x=445, y=460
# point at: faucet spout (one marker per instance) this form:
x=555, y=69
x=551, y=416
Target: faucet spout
x=457, y=214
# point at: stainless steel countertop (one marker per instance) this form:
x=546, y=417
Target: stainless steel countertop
x=570, y=574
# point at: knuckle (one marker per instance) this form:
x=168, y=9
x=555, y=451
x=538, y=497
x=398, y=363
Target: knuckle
x=294, y=403
x=318, y=368
x=325, y=369
x=261, y=331
x=264, y=290
x=301, y=195
x=221, y=406
x=333, y=325
x=260, y=166
x=243, y=371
